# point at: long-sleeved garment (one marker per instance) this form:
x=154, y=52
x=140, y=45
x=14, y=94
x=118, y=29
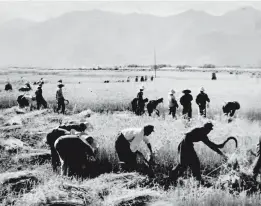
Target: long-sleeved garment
x=187, y=154
x=230, y=108
x=173, y=105
x=201, y=101
x=185, y=101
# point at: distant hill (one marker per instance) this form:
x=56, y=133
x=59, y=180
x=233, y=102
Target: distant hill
x=88, y=38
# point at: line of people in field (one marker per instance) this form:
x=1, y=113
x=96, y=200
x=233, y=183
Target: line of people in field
x=202, y=100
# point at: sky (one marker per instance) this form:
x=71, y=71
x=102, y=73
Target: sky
x=36, y=10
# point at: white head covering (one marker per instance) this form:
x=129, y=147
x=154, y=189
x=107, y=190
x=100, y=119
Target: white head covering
x=142, y=87
x=172, y=91
x=202, y=89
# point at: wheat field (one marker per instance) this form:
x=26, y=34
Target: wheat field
x=110, y=106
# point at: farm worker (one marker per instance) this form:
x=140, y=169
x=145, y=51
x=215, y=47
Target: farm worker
x=140, y=101
x=62, y=130
x=257, y=163
x=128, y=142
x=185, y=101
x=187, y=154
x=173, y=105
x=229, y=108
x=60, y=98
x=39, y=97
x=201, y=101
x=77, y=154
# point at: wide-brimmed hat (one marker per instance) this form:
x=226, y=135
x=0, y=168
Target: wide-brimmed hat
x=186, y=91
x=60, y=81
x=60, y=85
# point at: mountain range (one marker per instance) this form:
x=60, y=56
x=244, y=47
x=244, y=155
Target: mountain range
x=92, y=38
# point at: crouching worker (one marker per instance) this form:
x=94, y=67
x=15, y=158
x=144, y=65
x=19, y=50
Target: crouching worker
x=61, y=131
x=229, y=109
x=187, y=154
x=127, y=145
x=76, y=154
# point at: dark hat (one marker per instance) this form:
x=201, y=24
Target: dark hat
x=208, y=125
x=149, y=127
x=186, y=91
x=60, y=85
x=60, y=81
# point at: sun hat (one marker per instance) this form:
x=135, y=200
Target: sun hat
x=142, y=87
x=186, y=91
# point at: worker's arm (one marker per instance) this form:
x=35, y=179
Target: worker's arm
x=149, y=146
x=213, y=146
x=207, y=98
x=197, y=100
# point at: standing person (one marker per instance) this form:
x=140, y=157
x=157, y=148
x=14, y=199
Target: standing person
x=185, y=101
x=128, y=142
x=60, y=98
x=187, y=154
x=201, y=101
x=173, y=104
x=140, y=101
x=39, y=98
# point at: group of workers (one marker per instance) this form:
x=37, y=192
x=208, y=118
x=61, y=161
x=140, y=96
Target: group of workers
x=71, y=145
x=23, y=100
x=202, y=100
x=75, y=151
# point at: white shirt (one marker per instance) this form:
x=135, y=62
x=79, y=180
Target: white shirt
x=135, y=136
x=171, y=99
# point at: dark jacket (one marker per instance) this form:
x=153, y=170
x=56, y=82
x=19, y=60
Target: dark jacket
x=186, y=99
x=39, y=94
x=140, y=95
x=202, y=99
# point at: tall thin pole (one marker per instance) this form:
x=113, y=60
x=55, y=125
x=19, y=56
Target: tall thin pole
x=155, y=65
